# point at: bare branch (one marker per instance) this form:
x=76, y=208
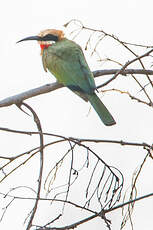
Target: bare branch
x=37, y=121
x=80, y=24
x=98, y=73
x=100, y=214
x=133, y=194
x=114, y=142
x=101, y=187
x=74, y=139
x=18, y=98
x=77, y=206
x=125, y=66
x=131, y=96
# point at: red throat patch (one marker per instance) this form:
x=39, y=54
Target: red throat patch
x=44, y=46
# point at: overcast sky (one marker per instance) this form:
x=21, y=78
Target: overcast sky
x=61, y=112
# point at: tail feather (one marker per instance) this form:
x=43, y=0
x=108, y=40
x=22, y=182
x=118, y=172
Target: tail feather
x=101, y=110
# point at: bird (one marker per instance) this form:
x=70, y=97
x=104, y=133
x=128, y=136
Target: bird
x=65, y=60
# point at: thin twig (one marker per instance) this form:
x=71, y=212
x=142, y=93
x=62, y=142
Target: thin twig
x=133, y=193
x=131, y=96
x=125, y=66
x=37, y=121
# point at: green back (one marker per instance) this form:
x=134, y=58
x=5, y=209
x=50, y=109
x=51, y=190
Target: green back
x=66, y=61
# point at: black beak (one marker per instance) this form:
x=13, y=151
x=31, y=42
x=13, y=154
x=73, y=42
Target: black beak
x=48, y=37
x=36, y=38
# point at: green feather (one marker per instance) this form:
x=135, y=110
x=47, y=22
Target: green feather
x=66, y=61
x=101, y=110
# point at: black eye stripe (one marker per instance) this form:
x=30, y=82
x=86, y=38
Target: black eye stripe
x=50, y=37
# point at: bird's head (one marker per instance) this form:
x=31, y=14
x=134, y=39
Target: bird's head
x=46, y=37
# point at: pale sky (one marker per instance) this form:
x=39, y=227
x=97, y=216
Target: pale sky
x=62, y=112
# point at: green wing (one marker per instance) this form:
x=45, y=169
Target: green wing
x=66, y=61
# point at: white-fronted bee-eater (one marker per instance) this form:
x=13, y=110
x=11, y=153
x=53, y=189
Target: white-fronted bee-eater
x=66, y=61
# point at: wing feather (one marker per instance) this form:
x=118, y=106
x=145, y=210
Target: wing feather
x=66, y=61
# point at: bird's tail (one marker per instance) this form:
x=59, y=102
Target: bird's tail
x=102, y=111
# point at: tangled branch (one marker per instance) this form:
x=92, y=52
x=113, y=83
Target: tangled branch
x=102, y=184
x=80, y=207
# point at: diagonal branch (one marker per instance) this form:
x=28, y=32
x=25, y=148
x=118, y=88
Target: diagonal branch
x=18, y=98
x=138, y=58
x=74, y=225
x=100, y=214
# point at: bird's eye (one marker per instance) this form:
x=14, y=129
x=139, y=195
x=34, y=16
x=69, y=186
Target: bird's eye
x=50, y=37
